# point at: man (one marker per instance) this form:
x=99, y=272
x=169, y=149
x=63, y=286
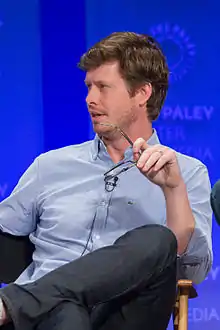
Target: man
x=109, y=217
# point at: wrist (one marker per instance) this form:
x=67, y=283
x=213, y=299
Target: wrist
x=179, y=190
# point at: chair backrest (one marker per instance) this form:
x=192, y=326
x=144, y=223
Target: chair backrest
x=215, y=201
x=15, y=255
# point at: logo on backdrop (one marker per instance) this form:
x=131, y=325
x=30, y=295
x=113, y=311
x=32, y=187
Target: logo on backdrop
x=178, y=135
x=214, y=274
x=206, y=314
x=178, y=48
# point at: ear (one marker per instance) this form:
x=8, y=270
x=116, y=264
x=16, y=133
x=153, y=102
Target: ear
x=143, y=94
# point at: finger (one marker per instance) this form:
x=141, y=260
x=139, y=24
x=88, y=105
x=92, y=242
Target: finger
x=149, y=151
x=152, y=160
x=139, y=145
x=162, y=161
x=146, y=154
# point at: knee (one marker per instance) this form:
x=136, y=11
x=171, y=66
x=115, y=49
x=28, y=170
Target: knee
x=160, y=248
x=164, y=238
x=155, y=241
x=161, y=237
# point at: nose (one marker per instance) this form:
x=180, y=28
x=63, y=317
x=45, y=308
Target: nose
x=92, y=97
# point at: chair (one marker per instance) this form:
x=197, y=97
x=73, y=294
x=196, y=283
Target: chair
x=16, y=254
x=185, y=290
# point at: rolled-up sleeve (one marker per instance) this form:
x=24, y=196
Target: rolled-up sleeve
x=197, y=260
x=18, y=212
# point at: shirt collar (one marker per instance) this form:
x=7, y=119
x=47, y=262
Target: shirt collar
x=99, y=148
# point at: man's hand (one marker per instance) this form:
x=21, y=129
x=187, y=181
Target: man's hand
x=158, y=163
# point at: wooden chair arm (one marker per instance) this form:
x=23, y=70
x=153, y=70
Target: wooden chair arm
x=185, y=290
x=186, y=287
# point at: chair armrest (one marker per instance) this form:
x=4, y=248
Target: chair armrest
x=185, y=290
x=186, y=287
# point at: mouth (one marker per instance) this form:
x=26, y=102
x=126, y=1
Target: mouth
x=96, y=117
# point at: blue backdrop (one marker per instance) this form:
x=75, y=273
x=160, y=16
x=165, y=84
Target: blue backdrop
x=21, y=114
x=42, y=91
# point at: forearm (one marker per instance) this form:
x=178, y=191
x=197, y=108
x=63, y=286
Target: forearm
x=179, y=215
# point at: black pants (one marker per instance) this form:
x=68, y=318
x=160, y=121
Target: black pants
x=130, y=285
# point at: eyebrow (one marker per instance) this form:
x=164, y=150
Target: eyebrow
x=96, y=82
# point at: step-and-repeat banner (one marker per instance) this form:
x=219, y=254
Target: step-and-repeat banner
x=189, y=35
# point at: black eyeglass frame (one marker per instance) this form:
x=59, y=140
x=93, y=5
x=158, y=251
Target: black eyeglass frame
x=108, y=175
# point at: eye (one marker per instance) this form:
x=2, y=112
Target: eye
x=102, y=86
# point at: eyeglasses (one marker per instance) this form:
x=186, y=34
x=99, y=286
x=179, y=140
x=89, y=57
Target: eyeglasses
x=121, y=167
x=118, y=169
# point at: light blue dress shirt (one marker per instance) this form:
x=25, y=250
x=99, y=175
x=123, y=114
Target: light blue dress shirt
x=63, y=191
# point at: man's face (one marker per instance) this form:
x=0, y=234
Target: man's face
x=108, y=99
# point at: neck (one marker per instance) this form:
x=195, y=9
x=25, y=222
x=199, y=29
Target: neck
x=117, y=144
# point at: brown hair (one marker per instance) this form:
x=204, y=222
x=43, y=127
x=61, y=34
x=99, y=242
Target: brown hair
x=141, y=61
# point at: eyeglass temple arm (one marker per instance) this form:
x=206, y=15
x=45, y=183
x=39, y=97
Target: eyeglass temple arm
x=125, y=136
